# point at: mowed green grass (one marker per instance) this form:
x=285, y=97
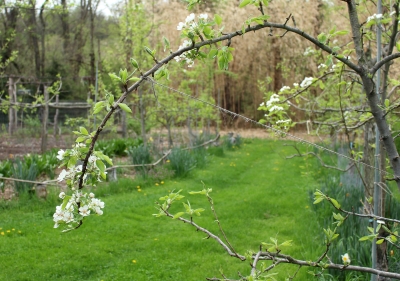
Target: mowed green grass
x=257, y=194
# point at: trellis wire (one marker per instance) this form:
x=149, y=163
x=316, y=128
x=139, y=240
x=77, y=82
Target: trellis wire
x=233, y=114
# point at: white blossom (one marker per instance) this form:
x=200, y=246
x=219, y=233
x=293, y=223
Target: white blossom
x=203, y=16
x=276, y=108
x=62, y=175
x=309, y=51
x=380, y=222
x=190, y=18
x=284, y=88
x=262, y=104
x=84, y=210
x=295, y=85
x=60, y=155
x=346, y=259
x=180, y=26
x=62, y=195
x=91, y=195
x=375, y=17
x=306, y=82
x=321, y=66
x=283, y=121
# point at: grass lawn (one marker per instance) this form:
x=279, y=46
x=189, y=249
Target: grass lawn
x=257, y=194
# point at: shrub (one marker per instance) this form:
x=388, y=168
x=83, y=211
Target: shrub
x=140, y=155
x=200, y=156
x=182, y=162
x=24, y=171
x=232, y=141
x=117, y=147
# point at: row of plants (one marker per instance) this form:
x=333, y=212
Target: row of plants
x=349, y=187
x=179, y=162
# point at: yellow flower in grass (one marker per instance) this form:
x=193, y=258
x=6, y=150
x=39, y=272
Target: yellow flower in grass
x=346, y=259
x=168, y=161
x=134, y=261
x=2, y=233
x=157, y=184
x=139, y=190
x=8, y=231
x=13, y=229
x=162, y=182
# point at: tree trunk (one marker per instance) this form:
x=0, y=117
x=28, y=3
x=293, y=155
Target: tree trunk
x=44, y=120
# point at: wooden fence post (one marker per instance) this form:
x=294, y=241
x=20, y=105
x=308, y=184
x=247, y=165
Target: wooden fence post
x=12, y=116
x=44, y=119
x=56, y=117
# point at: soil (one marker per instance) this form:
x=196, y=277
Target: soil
x=17, y=146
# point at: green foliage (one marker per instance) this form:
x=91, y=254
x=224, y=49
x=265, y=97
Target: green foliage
x=182, y=162
x=140, y=155
x=24, y=171
x=216, y=151
x=117, y=147
x=232, y=141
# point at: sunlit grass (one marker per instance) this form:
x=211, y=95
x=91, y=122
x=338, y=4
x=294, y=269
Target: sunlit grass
x=257, y=193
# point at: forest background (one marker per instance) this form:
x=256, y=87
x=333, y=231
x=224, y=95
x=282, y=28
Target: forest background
x=73, y=39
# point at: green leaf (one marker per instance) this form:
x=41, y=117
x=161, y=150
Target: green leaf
x=134, y=79
x=134, y=63
x=166, y=44
x=114, y=76
x=80, y=139
x=149, y=51
x=125, y=108
x=72, y=162
x=387, y=102
x=318, y=200
x=364, y=238
x=213, y=53
x=380, y=241
x=218, y=19
x=341, y=32
x=322, y=38
x=98, y=107
x=244, y=3
x=83, y=131
x=398, y=46
x=335, y=203
x=178, y=215
x=101, y=166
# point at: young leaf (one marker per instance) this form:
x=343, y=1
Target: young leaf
x=83, y=131
x=218, y=19
x=335, y=203
x=166, y=44
x=115, y=77
x=244, y=3
x=125, y=108
x=134, y=63
x=178, y=215
x=101, y=166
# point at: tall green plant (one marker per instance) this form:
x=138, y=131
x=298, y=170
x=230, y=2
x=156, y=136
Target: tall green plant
x=24, y=171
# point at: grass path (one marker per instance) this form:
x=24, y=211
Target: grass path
x=257, y=194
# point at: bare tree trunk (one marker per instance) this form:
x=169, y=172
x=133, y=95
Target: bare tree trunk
x=42, y=41
x=65, y=26
x=56, y=117
x=142, y=115
x=11, y=111
x=44, y=120
x=34, y=34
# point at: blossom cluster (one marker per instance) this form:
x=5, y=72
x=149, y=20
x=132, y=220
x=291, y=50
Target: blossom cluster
x=375, y=17
x=79, y=205
x=192, y=28
x=75, y=207
x=306, y=82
